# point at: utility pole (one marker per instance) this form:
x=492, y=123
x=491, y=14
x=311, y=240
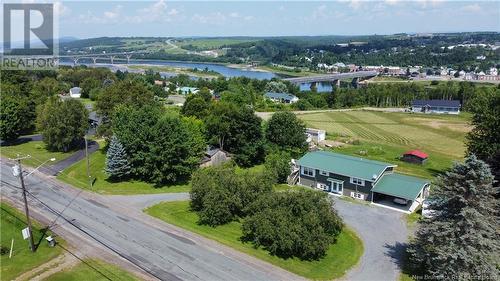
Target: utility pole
x=26, y=209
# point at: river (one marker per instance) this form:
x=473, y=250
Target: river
x=224, y=70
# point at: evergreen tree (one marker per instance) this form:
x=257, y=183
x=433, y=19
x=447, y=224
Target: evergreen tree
x=117, y=165
x=460, y=241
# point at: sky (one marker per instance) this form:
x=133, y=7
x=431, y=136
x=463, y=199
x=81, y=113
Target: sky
x=87, y=19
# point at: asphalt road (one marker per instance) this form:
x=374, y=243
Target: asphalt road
x=166, y=252
x=384, y=233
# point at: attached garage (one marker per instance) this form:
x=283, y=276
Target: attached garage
x=404, y=193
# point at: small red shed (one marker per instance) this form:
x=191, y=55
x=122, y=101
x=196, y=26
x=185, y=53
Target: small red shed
x=415, y=156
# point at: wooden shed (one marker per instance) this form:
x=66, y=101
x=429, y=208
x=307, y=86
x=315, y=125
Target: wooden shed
x=415, y=156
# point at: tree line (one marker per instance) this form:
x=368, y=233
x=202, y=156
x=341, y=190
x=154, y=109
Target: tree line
x=460, y=240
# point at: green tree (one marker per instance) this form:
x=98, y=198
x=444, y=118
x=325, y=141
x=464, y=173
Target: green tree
x=117, y=165
x=127, y=92
x=195, y=106
x=46, y=88
x=14, y=114
x=484, y=139
x=88, y=84
x=286, y=131
x=162, y=147
x=302, y=104
x=220, y=194
x=236, y=130
x=461, y=240
x=62, y=123
x=276, y=87
x=278, y=165
x=293, y=224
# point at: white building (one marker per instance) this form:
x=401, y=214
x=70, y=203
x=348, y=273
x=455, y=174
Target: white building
x=75, y=92
x=316, y=135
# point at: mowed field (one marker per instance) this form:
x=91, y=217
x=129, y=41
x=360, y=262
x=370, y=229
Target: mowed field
x=385, y=135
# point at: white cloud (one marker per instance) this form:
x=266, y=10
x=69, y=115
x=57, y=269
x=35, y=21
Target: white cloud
x=472, y=8
x=391, y=2
x=424, y=4
x=61, y=10
x=234, y=15
x=320, y=12
x=173, y=12
x=212, y=18
x=355, y=4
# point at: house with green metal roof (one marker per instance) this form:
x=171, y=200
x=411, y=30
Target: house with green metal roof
x=362, y=179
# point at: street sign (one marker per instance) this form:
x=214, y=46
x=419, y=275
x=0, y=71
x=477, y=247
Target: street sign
x=26, y=233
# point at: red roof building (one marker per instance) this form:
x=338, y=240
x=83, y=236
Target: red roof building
x=415, y=156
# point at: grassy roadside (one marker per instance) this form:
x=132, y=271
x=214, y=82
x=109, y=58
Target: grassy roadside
x=12, y=222
x=94, y=270
x=36, y=149
x=339, y=259
x=76, y=175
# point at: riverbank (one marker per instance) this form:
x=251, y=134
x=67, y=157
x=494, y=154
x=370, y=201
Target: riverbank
x=176, y=67
x=201, y=73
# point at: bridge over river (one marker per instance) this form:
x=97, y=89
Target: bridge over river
x=334, y=78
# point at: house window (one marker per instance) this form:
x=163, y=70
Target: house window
x=357, y=181
x=323, y=173
x=308, y=172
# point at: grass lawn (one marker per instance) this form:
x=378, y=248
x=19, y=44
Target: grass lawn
x=37, y=151
x=94, y=270
x=86, y=101
x=385, y=136
x=413, y=218
x=12, y=223
x=76, y=175
x=339, y=259
x=286, y=187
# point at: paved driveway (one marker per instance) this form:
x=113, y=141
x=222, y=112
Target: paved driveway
x=383, y=232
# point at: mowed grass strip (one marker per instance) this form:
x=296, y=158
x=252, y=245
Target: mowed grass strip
x=94, y=270
x=23, y=260
x=341, y=256
x=76, y=175
x=36, y=149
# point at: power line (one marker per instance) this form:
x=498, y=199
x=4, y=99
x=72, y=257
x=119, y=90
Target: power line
x=88, y=234
x=59, y=214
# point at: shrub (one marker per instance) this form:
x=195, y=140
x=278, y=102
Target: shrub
x=220, y=195
x=293, y=224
